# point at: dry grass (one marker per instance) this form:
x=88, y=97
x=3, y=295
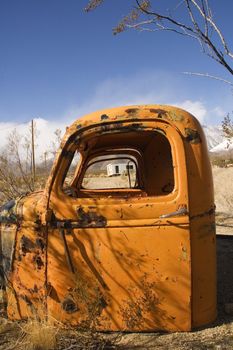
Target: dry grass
x=39, y=335
x=43, y=335
x=4, y=325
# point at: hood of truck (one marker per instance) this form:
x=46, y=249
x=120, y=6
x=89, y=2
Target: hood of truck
x=22, y=208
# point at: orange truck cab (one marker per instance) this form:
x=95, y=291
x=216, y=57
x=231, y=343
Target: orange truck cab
x=123, y=236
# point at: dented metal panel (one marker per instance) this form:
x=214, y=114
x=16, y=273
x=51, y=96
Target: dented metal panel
x=131, y=273
x=131, y=259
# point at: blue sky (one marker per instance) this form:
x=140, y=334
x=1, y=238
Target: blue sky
x=58, y=62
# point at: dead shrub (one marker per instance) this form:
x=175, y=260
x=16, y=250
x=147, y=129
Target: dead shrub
x=39, y=335
x=5, y=325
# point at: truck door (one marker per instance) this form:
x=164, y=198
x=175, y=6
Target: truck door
x=119, y=252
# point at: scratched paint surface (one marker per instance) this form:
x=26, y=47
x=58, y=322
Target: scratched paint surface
x=120, y=259
x=140, y=283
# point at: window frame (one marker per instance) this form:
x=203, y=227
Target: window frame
x=80, y=141
x=112, y=151
x=117, y=172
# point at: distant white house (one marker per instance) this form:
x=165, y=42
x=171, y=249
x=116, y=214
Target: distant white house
x=119, y=168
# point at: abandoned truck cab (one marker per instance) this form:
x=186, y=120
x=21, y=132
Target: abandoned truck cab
x=133, y=252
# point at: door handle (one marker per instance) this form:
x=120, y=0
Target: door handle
x=181, y=211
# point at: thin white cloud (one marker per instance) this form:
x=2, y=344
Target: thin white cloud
x=44, y=134
x=197, y=108
x=218, y=111
x=144, y=88
x=158, y=88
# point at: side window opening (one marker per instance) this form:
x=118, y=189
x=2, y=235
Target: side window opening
x=71, y=173
x=139, y=161
x=119, y=171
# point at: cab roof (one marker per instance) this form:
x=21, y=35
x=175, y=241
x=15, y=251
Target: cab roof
x=185, y=122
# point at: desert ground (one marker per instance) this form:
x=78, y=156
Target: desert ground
x=217, y=336
x=223, y=186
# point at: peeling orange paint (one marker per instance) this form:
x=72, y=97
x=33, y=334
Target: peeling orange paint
x=136, y=258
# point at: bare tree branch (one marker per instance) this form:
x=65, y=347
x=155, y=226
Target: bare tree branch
x=190, y=18
x=202, y=36
x=198, y=24
x=209, y=19
x=93, y=4
x=207, y=75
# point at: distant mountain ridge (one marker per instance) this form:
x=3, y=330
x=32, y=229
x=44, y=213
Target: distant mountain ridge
x=216, y=141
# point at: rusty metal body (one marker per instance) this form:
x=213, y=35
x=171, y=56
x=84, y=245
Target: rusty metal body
x=133, y=259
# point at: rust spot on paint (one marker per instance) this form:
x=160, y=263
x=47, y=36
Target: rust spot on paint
x=192, y=136
x=160, y=112
x=26, y=245
x=90, y=218
x=40, y=244
x=69, y=305
x=131, y=110
x=38, y=261
x=175, y=117
x=104, y=117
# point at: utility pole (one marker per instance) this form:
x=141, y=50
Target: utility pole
x=33, y=156
x=45, y=160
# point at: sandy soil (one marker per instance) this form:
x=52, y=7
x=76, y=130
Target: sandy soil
x=223, y=185
x=105, y=182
